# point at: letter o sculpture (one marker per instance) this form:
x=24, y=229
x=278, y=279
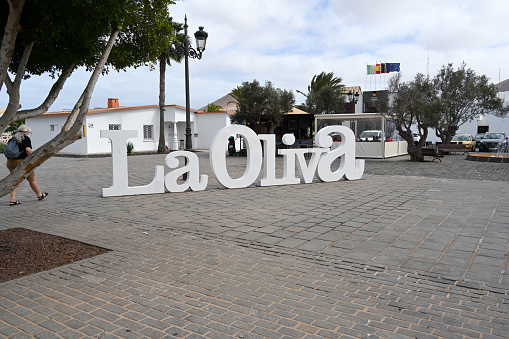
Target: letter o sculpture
x=218, y=156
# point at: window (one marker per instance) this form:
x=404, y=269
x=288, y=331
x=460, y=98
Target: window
x=114, y=127
x=148, y=132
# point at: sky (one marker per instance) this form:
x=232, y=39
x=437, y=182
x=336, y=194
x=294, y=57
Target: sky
x=287, y=42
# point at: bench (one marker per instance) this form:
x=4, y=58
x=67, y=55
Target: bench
x=432, y=152
x=452, y=148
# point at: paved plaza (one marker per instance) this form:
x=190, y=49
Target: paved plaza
x=412, y=250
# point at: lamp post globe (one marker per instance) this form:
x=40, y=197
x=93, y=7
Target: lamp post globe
x=201, y=39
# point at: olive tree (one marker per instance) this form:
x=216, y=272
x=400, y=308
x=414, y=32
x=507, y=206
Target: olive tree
x=262, y=107
x=412, y=104
x=97, y=34
x=464, y=96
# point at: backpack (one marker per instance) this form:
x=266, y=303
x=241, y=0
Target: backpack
x=11, y=151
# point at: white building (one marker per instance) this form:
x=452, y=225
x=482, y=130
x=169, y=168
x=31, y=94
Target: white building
x=144, y=119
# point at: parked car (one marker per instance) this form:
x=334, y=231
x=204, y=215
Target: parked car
x=465, y=139
x=478, y=137
x=335, y=137
x=491, y=140
x=373, y=135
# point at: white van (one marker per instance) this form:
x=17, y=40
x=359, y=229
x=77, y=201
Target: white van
x=371, y=135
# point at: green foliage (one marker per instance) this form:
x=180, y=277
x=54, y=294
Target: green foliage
x=14, y=126
x=75, y=31
x=2, y=147
x=214, y=108
x=464, y=95
x=325, y=95
x=412, y=104
x=261, y=107
x=130, y=147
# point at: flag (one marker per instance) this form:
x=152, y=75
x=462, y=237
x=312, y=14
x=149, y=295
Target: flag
x=378, y=69
x=393, y=67
x=383, y=69
x=371, y=69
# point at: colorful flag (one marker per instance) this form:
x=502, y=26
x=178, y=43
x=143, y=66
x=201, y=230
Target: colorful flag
x=393, y=67
x=371, y=69
x=378, y=69
x=383, y=69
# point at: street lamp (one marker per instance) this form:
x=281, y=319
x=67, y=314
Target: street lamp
x=353, y=98
x=189, y=52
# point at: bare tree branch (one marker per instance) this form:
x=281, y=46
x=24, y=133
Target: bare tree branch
x=12, y=28
x=13, y=90
x=70, y=132
x=52, y=95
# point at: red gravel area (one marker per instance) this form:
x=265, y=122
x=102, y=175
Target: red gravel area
x=24, y=252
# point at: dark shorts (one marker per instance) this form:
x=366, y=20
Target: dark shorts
x=13, y=163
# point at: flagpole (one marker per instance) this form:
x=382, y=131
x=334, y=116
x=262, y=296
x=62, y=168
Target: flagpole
x=366, y=81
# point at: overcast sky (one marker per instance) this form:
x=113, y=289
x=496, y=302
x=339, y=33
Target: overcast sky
x=287, y=42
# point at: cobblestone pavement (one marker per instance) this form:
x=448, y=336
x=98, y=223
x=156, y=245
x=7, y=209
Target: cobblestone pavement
x=409, y=251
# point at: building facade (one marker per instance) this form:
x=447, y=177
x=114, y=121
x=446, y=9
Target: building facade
x=143, y=119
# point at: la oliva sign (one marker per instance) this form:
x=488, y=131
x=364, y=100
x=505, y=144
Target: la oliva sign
x=320, y=162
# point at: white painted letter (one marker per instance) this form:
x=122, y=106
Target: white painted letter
x=194, y=181
x=218, y=156
x=120, y=173
x=349, y=167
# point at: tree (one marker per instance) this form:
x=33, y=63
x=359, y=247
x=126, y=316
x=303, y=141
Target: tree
x=165, y=58
x=464, y=96
x=262, y=107
x=325, y=95
x=214, y=108
x=412, y=104
x=79, y=33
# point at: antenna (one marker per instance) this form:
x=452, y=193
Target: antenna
x=427, y=66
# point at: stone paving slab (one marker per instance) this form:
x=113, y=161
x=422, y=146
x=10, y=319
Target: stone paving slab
x=401, y=253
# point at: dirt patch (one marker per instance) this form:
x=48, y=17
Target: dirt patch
x=24, y=252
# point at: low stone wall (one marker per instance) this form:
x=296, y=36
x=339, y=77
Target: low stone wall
x=4, y=138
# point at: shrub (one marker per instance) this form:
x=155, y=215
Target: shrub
x=130, y=148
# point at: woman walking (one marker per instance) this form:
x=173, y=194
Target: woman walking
x=25, y=147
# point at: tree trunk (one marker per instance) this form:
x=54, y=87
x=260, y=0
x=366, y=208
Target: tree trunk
x=161, y=148
x=12, y=28
x=13, y=88
x=71, y=130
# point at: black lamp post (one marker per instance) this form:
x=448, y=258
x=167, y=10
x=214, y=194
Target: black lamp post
x=353, y=98
x=190, y=52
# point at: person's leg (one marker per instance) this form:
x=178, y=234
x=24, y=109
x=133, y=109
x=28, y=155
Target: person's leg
x=11, y=165
x=34, y=186
x=13, y=195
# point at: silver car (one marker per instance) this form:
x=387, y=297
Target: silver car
x=491, y=140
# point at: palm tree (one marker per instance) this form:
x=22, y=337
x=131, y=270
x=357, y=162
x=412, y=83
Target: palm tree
x=325, y=94
x=164, y=59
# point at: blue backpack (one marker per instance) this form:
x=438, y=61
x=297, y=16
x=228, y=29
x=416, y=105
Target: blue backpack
x=11, y=151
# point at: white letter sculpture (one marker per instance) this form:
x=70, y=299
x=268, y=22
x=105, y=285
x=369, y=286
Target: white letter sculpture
x=320, y=162
x=350, y=168
x=218, y=156
x=194, y=180
x=120, y=174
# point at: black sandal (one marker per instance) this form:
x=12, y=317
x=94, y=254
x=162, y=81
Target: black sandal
x=14, y=203
x=43, y=195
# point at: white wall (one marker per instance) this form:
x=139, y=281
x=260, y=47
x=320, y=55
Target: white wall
x=207, y=126
x=41, y=132
x=132, y=119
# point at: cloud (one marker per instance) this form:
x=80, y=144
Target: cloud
x=288, y=42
